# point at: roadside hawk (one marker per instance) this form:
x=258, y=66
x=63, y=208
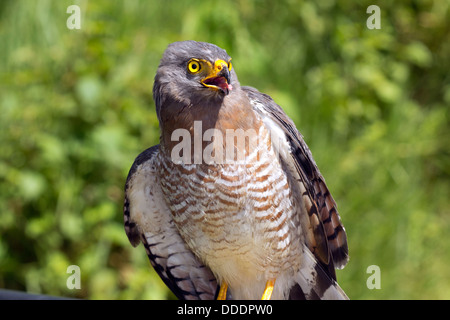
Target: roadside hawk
x=230, y=204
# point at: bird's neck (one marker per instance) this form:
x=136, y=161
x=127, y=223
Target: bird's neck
x=198, y=129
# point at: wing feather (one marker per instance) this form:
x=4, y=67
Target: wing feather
x=147, y=219
x=328, y=240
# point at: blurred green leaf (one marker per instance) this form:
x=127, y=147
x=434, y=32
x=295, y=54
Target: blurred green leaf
x=418, y=54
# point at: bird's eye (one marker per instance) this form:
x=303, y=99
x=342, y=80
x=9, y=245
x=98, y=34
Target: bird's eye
x=194, y=66
x=229, y=65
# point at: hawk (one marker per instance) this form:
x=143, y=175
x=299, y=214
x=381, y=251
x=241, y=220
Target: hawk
x=230, y=204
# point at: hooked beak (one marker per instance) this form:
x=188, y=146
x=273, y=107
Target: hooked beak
x=219, y=78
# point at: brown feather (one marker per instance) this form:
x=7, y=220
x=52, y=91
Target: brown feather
x=328, y=241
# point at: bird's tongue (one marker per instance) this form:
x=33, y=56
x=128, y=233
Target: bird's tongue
x=223, y=84
x=220, y=82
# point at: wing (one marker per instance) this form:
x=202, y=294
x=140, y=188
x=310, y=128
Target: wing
x=325, y=234
x=147, y=219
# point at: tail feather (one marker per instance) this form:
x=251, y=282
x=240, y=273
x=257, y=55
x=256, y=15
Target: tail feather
x=314, y=283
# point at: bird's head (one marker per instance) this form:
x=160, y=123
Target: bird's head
x=193, y=72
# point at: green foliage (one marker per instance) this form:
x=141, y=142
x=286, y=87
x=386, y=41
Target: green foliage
x=76, y=108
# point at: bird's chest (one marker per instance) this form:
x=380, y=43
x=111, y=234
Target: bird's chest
x=236, y=215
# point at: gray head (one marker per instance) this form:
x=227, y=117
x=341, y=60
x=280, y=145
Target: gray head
x=193, y=73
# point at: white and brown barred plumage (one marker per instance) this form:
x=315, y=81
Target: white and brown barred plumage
x=268, y=216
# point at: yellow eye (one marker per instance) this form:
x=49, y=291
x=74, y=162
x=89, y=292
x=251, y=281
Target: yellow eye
x=194, y=66
x=230, y=65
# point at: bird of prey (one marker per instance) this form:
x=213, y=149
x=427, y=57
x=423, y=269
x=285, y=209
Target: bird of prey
x=230, y=204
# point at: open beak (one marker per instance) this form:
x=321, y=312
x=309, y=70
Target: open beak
x=219, y=78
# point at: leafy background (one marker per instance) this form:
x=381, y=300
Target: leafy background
x=76, y=108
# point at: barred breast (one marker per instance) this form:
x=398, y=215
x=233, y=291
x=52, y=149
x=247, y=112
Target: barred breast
x=238, y=217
